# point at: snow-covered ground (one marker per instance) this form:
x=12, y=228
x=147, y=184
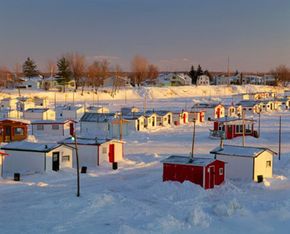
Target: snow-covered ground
x=134, y=199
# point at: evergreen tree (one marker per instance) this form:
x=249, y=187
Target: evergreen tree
x=64, y=71
x=192, y=74
x=29, y=68
x=199, y=71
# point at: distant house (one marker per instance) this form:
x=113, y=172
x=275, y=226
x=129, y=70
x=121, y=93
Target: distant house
x=9, y=113
x=198, y=116
x=40, y=101
x=203, y=80
x=136, y=121
x=39, y=114
x=52, y=127
x=104, y=125
x=30, y=83
x=211, y=110
x=180, y=117
x=116, y=81
x=70, y=112
x=173, y=79
x=24, y=103
x=13, y=130
x=95, y=151
x=206, y=172
x=98, y=109
x=150, y=120
x=250, y=107
x=51, y=83
x=230, y=110
x=245, y=162
x=28, y=157
x=129, y=110
x=8, y=103
x=163, y=118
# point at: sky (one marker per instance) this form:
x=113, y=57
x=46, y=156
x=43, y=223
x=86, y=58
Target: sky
x=173, y=34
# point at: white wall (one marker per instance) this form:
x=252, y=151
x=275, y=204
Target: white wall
x=94, y=129
x=260, y=165
x=88, y=156
x=23, y=162
x=237, y=167
x=64, y=151
x=47, y=130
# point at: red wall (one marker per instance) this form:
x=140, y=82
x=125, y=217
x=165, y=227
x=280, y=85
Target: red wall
x=194, y=174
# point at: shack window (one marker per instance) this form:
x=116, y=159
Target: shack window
x=221, y=171
x=104, y=150
x=268, y=163
x=55, y=127
x=40, y=127
x=18, y=131
x=65, y=158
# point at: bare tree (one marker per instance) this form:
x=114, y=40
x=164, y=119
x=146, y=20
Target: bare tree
x=77, y=62
x=139, y=69
x=97, y=72
x=118, y=81
x=153, y=72
x=282, y=74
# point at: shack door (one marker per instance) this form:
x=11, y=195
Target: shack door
x=55, y=161
x=201, y=116
x=184, y=117
x=138, y=125
x=111, y=153
x=7, y=134
x=229, y=132
x=218, y=113
x=211, y=177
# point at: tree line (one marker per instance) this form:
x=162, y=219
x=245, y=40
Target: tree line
x=74, y=66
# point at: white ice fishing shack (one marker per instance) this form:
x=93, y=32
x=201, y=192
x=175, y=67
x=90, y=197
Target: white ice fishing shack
x=94, y=152
x=29, y=157
x=246, y=162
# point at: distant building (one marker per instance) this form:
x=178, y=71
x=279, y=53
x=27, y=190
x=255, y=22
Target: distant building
x=203, y=80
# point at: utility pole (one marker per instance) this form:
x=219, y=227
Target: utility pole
x=280, y=135
x=193, y=140
x=78, y=165
x=121, y=126
x=259, y=127
x=243, y=127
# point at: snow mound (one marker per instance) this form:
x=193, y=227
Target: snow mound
x=227, y=209
x=199, y=218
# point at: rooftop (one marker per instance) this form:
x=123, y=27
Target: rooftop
x=30, y=146
x=97, y=117
x=177, y=159
x=241, y=151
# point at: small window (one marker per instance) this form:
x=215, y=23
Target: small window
x=65, y=158
x=221, y=171
x=40, y=127
x=18, y=131
x=104, y=150
x=55, y=127
x=268, y=163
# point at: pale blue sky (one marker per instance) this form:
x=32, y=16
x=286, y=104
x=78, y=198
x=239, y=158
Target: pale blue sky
x=171, y=33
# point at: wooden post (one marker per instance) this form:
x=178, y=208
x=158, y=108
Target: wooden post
x=243, y=127
x=55, y=101
x=78, y=165
x=280, y=135
x=121, y=126
x=259, y=127
x=193, y=140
